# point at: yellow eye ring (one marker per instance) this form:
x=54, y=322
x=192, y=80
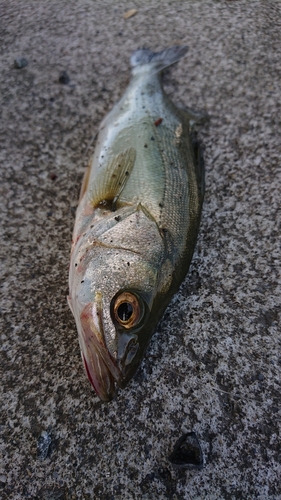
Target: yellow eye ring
x=127, y=310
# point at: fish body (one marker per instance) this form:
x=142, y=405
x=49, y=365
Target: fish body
x=136, y=224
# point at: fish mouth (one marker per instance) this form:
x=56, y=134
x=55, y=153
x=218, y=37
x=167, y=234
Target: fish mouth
x=102, y=369
x=100, y=377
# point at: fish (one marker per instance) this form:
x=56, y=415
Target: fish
x=136, y=223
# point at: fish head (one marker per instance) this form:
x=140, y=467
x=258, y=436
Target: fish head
x=112, y=305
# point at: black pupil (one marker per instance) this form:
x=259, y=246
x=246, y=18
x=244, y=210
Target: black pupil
x=125, y=311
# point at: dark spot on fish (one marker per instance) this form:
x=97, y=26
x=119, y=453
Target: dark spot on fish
x=76, y=264
x=117, y=218
x=171, y=163
x=82, y=281
x=102, y=156
x=128, y=263
x=143, y=107
x=113, y=175
x=145, y=145
x=161, y=205
x=152, y=138
x=126, y=173
x=158, y=122
x=53, y=176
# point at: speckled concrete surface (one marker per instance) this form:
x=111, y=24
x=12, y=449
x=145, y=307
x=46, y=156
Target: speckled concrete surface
x=214, y=365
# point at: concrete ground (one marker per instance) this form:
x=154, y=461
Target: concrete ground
x=213, y=367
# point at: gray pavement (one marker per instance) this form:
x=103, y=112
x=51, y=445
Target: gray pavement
x=213, y=366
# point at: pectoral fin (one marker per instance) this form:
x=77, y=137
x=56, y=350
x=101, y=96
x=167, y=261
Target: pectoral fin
x=112, y=179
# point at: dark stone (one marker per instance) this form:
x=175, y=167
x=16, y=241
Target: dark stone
x=187, y=452
x=64, y=78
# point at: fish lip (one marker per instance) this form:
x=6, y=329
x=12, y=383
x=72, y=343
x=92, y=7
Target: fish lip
x=104, y=392
x=101, y=368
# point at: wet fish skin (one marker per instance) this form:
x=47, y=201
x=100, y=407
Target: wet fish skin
x=136, y=224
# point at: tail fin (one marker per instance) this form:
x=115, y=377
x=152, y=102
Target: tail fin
x=157, y=60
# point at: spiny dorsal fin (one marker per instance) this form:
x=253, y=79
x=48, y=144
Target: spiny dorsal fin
x=112, y=179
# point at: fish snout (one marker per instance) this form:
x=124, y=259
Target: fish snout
x=105, y=369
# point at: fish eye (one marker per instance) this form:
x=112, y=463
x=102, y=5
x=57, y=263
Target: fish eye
x=127, y=309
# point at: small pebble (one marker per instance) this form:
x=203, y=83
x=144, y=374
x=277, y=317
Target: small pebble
x=130, y=13
x=64, y=78
x=20, y=62
x=43, y=445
